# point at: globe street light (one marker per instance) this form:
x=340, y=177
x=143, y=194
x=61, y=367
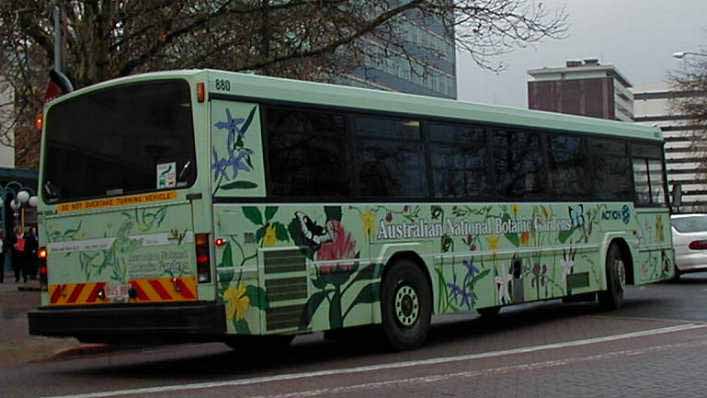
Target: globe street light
x=24, y=199
x=682, y=54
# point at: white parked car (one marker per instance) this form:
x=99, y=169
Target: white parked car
x=690, y=242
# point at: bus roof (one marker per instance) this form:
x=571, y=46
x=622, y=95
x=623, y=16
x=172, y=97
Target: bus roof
x=255, y=87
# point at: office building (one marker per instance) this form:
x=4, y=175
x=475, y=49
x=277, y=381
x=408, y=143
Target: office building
x=584, y=88
x=428, y=66
x=685, y=147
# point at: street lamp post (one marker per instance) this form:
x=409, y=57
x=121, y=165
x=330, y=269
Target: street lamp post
x=23, y=197
x=682, y=54
x=22, y=200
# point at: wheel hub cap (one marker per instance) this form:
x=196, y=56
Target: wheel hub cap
x=621, y=273
x=407, y=306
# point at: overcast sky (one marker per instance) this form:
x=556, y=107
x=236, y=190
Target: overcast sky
x=637, y=36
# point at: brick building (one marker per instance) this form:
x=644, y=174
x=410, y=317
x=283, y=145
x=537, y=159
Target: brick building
x=584, y=88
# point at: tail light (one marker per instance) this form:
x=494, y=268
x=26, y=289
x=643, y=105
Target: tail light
x=698, y=245
x=43, y=273
x=203, y=258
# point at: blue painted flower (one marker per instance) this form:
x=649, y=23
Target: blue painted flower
x=233, y=125
x=238, y=157
x=238, y=160
x=461, y=293
x=471, y=269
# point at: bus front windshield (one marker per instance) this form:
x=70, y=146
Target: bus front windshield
x=120, y=140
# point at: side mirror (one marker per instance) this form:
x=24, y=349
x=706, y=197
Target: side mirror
x=676, y=196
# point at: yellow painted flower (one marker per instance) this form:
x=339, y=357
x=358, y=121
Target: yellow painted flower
x=514, y=209
x=368, y=218
x=270, y=238
x=237, y=302
x=493, y=242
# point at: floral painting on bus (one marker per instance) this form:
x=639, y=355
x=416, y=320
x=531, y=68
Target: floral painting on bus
x=477, y=256
x=235, y=136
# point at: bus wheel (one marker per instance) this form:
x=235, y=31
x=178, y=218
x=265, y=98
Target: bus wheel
x=613, y=297
x=406, y=306
x=489, y=312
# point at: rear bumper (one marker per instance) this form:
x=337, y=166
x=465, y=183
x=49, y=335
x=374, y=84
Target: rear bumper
x=187, y=321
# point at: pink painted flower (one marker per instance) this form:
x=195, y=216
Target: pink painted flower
x=341, y=247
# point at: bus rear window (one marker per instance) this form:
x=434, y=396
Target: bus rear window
x=121, y=140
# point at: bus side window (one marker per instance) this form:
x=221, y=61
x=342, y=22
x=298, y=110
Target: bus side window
x=519, y=164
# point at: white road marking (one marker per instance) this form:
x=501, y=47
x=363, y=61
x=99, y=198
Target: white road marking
x=481, y=373
x=393, y=365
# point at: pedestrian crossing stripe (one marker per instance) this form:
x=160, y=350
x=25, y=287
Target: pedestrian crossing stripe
x=143, y=291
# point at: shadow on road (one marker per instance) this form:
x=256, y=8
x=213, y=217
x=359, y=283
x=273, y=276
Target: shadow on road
x=362, y=348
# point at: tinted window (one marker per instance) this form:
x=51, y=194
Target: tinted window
x=112, y=142
x=611, y=170
x=307, y=153
x=378, y=127
x=389, y=167
x=568, y=167
x=458, y=159
x=518, y=162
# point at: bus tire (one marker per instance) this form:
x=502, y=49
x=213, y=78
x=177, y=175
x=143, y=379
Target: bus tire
x=613, y=297
x=489, y=312
x=406, y=306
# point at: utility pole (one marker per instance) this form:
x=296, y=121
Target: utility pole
x=57, y=37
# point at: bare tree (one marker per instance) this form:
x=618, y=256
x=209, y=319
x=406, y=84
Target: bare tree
x=303, y=39
x=689, y=102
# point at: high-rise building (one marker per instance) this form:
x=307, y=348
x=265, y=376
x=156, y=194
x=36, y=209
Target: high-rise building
x=428, y=66
x=584, y=88
x=684, y=154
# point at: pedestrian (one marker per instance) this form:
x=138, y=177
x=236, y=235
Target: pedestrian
x=2, y=257
x=30, y=264
x=18, y=254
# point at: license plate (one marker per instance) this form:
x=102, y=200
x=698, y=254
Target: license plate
x=118, y=292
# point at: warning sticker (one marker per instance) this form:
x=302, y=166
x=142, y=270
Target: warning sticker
x=115, y=202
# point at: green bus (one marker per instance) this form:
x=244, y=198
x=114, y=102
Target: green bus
x=209, y=206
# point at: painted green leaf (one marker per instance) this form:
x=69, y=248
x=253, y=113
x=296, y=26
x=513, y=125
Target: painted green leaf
x=241, y=326
x=270, y=212
x=239, y=185
x=512, y=237
x=336, y=320
x=311, y=307
x=333, y=213
x=260, y=233
x=257, y=297
x=368, y=272
x=248, y=120
x=227, y=259
x=70, y=232
x=478, y=277
x=368, y=295
x=564, y=235
x=281, y=232
x=253, y=214
x=319, y=282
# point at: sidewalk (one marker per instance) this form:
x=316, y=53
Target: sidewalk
x=16, y=345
